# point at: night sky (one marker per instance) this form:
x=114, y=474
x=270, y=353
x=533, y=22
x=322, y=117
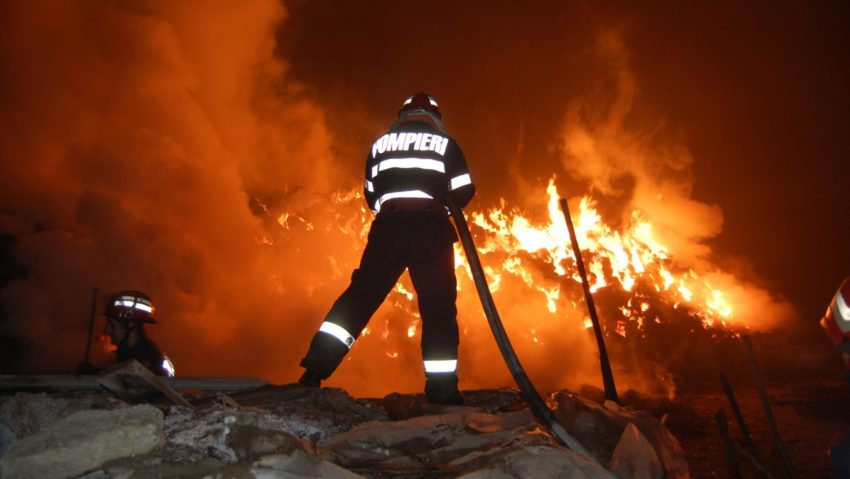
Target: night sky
x=156, y=146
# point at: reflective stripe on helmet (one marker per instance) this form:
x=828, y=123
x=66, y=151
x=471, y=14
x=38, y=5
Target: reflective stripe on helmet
x=131, y=303
x=461, y=180
x=338, y=332
x=431, y=100
x=370, y=187
x=441, y=366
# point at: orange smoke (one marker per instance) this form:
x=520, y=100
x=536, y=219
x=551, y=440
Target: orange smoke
x=167, y=147
x=136, y=141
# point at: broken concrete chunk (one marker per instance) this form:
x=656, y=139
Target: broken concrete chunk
x=540, y=462
x=634, y=457
x=84, y=441
x=249, y=441
x=424, y=440
x=28, y=413
x=7, y=438
x=600, y=428
x=500, y=422
x=593, y=425
x=668, y=448
x=298, y=464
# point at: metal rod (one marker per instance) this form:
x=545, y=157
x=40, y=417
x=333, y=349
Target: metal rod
x=756, y=462
x=739, y=418
x=91, y=324
x=728, y=448
x=780, y=447
x=605, y=364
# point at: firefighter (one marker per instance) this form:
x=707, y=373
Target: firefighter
x=126, y=313
x=836, y=321
x=410, y=172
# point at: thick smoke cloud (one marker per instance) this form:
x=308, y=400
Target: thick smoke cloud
x=637, y=164
x=210, y=155
x=135, y=139
x=641, y=166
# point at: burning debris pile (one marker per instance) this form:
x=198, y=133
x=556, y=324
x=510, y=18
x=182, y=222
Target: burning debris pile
x=669, y=320
x=292, y=431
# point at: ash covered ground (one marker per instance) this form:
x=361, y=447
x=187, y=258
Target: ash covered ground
x=292, y=431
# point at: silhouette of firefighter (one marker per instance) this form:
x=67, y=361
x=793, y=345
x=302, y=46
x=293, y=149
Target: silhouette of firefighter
x=836, y=323
x=410, y=172
x=126, y=314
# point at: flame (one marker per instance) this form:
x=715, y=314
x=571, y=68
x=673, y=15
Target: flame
x=511, y=245
x=623, y=258
x=530, y=268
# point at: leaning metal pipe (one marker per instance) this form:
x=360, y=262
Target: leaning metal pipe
x=605, y=364
x=92, y=317
x=771, y=421
x=536, y=403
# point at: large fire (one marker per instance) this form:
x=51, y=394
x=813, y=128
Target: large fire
x=639, y=286
x=620, y=258
x=137, y=172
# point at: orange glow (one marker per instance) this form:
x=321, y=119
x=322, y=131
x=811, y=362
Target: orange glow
x=185, y=150
x=639, y=284
x=612, y=257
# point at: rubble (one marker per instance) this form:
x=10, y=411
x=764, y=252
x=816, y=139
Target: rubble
x=83, y=441
x=293, y=432
x=600, y=427
x=635, y=457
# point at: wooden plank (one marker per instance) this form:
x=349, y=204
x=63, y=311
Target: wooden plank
x=134, y=383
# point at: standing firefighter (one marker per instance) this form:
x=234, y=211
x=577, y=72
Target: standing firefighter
x=125, y=314
x=410, y=171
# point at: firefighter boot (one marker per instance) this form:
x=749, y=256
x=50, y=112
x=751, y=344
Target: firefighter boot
x=311, y=379
x=442, y=389
x=322, y=359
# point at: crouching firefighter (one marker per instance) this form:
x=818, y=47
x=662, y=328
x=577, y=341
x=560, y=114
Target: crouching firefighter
x=410, y=171
x=126, y=313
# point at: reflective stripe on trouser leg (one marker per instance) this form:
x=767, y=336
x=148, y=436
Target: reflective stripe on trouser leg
x=370, y=283
x=338, y=332
x=433, y=278
x=440, y=366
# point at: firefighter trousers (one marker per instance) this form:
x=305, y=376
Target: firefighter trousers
x=419, y=241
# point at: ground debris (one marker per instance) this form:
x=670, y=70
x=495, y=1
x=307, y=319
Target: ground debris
x=600, y=428
x=291, y=431
x=83, y=441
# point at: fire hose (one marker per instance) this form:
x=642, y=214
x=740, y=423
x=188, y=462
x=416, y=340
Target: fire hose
x=527, y=389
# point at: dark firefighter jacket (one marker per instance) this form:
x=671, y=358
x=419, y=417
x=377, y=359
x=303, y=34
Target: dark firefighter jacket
x=415, y=160
x=146, y=352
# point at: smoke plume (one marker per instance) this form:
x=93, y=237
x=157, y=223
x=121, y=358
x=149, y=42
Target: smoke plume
x=136, y=137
